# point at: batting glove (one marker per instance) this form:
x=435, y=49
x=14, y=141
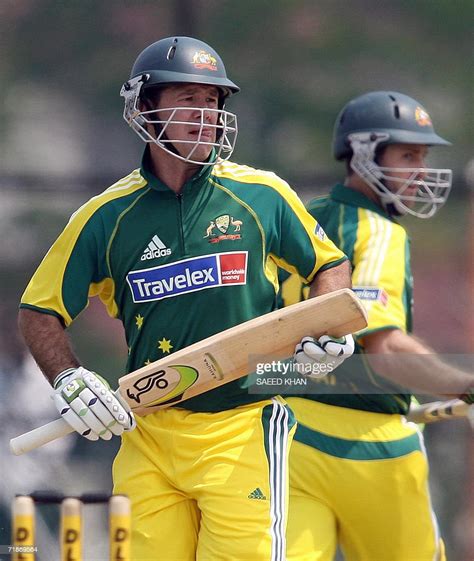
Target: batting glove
x=468, y=396
x=85, y=401
x=319, y=357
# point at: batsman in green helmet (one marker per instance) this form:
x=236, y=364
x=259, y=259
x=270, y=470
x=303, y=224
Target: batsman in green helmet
x=184, y=247
x=358, y=469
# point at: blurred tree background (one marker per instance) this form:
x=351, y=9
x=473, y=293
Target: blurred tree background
x=297, y=62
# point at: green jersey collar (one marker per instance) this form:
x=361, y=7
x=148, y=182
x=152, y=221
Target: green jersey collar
x=349, y=196
x=155, y=183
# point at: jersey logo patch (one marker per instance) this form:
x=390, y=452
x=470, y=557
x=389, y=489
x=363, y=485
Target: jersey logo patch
x=189, y=275
x=223, y=225
x=320, y=232
x=156, y=248
x=371, y=293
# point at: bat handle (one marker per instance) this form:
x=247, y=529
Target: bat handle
x=39, y=436
x=438, y=410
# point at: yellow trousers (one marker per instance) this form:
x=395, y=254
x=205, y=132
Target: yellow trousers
x=208, y=486
x=360, y=480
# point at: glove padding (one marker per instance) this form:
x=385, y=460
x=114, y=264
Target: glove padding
x=85, y=401
x=321, y=356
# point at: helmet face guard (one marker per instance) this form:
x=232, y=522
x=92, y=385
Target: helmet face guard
x=144, y=123
x=434, y=185
x=180, y=60
x=379, y=119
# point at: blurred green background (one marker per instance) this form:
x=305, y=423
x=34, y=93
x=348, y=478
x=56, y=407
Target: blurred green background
x=298, y=62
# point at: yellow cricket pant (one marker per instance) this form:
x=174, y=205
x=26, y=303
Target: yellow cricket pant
x=360, y=480
x=208, y=486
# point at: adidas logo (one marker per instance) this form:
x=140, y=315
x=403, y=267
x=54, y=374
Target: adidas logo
x=257, y=494
x=156, y=248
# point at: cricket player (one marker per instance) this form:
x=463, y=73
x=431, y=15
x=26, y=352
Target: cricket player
x=185, y=246
x=358, y=469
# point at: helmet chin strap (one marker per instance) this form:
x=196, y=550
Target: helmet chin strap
x=391, y=208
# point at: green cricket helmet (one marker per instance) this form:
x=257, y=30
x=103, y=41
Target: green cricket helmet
x=403, y=119
x=179, y=60
x=182, y=60
x=377, y=119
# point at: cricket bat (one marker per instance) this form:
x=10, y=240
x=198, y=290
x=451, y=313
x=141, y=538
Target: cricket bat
x=222, y=358
x=438, y=410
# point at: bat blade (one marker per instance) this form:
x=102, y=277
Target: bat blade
x=222, y=358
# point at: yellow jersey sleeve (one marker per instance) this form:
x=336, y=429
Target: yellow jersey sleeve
x=381, y=270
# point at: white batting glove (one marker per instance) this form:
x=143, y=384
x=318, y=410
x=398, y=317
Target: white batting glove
x=85, y=401
x=319, y=357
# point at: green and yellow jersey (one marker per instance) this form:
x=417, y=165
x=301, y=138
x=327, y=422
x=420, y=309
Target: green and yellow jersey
x=379, y=251
x=176, y=269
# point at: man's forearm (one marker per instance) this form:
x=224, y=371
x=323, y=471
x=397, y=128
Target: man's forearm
x=425, y=373
x=47, y=341
x=331, y=279
x=405, y=360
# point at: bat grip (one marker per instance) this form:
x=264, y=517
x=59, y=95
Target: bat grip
x=39, y=436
